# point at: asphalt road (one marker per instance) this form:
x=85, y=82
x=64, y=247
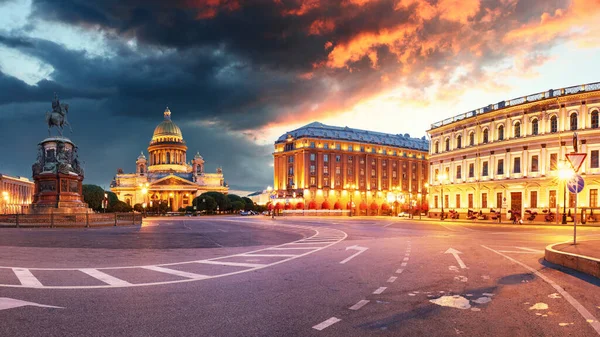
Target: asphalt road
x=254, y=276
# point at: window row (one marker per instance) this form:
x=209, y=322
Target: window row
x=516, y=132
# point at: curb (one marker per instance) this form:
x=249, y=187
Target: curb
x=582, y=263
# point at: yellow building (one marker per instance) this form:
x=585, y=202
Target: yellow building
x=17, y=194
x=320, y=166
x=166, y=176
x=510, y=154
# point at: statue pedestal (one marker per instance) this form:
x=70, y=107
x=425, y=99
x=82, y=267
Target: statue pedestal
x=57, y=178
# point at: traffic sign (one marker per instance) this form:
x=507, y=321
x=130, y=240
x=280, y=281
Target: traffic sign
x=576, y=184
x=576, y=159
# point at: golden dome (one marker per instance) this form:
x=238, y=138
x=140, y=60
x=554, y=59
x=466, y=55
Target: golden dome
x=167, y=129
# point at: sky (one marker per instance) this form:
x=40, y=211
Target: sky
x=238, y=74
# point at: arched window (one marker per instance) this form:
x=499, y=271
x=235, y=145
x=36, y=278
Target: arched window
x=534, y=127
x=168, y=158
x=142, y=169
x=595, y=119
x=436, y=147
x=485, y=136
x=553, y=124
x=517, y=129
x=471, y=138
x=459, y=142
x=447, y=145
x=573, y=121
x=501, y=132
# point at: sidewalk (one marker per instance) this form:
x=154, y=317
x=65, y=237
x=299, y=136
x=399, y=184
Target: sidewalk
x=507, y=222
x=583, y=257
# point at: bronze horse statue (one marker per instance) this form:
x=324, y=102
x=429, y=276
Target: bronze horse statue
x=58, y=116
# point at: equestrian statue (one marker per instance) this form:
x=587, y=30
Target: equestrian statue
x=58, y=116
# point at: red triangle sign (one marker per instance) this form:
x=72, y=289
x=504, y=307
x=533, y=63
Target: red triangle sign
x=576, y=159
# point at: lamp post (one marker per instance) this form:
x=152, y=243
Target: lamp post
x=144, y=193
x=144, y=207
x=351, y=188
x=441, y=179
x=564, y=174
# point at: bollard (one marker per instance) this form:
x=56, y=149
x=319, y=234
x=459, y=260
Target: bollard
x=115, y=219
x=51, y=219
x=17, y=220
x=87, y=219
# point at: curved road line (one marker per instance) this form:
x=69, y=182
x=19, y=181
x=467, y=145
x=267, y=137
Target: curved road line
x=334, y=236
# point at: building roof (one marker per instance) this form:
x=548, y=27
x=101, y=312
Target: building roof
x=320, y=130
x=167, y=128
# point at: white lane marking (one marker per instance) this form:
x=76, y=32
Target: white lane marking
x=392, y=279
x=289, y=257
x=265, y=255
x=407, y=254
x=448, y=228
x=355, y=247
x=176, y=272
x=26, y=278
x=531, y=250
x=403, y=264
x=405, y=259
x=10, y=303
x=309, y=243
x=326, y=323
x=455, y=253
x=580, y=308
x=379, y=290
x=518, y=252
x=108, y=279
x=359, y=304
x=221, y=230
x=391, y=223
x=399, y=271
x=233, y=264
x=286, y=248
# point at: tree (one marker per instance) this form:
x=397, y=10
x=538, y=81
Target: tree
x=93, y=195
x=112, y=198
x=119, y=206
x=249, y=204
x=236, y=206
x=220, y=198
x=234, y=198
x=209, y=204
x=138, y=208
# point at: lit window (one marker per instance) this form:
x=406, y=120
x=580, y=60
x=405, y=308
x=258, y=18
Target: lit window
x=573, y=121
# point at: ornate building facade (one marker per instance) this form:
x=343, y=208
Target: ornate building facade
x=509, y=154
x=17, y=194
x=327, y=167
x=166, y=176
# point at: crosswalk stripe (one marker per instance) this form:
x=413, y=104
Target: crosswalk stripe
x=267, y=255
x=233, y=264
x=175, y=272
x=108, y=279
x=26, y=277
x=284, y=248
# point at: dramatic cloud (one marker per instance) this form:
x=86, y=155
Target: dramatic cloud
x=237, y=71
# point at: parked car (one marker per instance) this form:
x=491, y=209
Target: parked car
x=403, y=215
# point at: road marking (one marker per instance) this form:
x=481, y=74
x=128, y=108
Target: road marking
x=531, y=250
x=399, y=271
x=449, y=228
x=175, y=272
x=10, y=303
x=309, y=243
x=580, y=308
x=403, y=264
x=233, y=264
x=264, y=255
x=359, y=305
x=405, y=259
x=455, y=253
x=284, y=248
x=517, y=252
x=392, y=279
x=108, y=279
x=379, y=290
x=407, y=254
x=360, y=251
x=391, y=223
x=326, y=323
x=26, y=278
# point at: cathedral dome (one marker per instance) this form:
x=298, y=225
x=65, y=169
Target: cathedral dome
x=167, y=129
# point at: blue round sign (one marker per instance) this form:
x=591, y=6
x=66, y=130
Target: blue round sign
x=576, y=184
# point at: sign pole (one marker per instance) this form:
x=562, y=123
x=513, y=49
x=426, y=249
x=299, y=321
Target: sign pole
x=575, y=220
x=576, y=160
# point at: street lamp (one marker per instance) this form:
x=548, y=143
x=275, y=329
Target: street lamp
x=564, y=174
x=144, y=192
x=169, y=201
x=441, y=178
x=352, y=188
x=144, y=207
